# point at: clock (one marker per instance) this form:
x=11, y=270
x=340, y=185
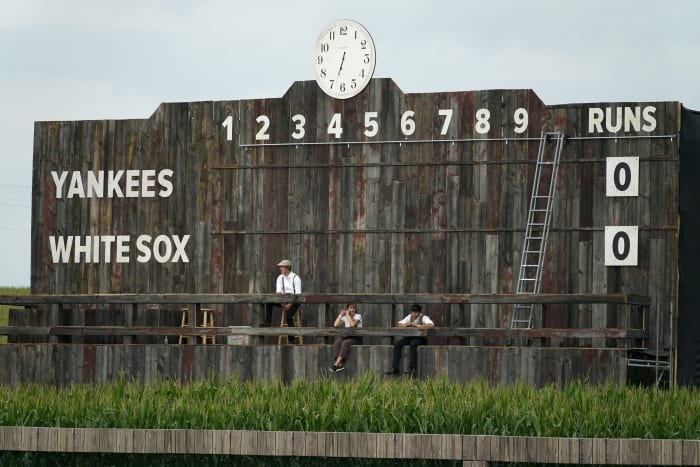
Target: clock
x=344, y=59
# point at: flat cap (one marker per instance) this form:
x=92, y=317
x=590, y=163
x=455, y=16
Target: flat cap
x=285, y=262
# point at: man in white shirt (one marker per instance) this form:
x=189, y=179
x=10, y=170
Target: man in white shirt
x=287, y=282
x=416, y=319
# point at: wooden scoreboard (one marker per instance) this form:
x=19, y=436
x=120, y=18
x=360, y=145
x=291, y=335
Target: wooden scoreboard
x=374, y=191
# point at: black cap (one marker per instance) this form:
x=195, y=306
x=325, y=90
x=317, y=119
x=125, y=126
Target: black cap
x=415, y=307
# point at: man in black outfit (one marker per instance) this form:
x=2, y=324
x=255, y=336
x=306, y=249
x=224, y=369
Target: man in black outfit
x=416, y=319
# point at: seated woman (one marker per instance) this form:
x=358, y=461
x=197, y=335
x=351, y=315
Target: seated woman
x=348, y=318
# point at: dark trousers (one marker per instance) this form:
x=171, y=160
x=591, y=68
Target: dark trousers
x=289, y=315
x=341, y=346
x=413, y=343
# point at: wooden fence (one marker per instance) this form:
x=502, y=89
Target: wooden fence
x=538, y=356
x=473, y=450
x=629, y=323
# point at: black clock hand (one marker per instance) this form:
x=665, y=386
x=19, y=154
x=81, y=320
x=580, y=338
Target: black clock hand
x=341, y=64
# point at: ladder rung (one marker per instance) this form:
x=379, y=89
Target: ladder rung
x=537, y=231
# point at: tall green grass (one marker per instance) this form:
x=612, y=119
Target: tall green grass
x=5, y=309
x=364, y=404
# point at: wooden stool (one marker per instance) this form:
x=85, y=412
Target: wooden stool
x=297, y=324
x=184, y=322
x=207, y=322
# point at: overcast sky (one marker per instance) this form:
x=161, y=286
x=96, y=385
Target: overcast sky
x=115, y=59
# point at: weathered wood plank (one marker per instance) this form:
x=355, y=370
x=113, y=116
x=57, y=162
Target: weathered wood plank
x=537, y=366
x=469, y=448
x=157, y=360
x=691, y=452
x=372, y=298
x=568, y=450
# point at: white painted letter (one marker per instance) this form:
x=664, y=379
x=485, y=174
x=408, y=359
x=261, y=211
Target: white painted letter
x=165, y=241
x=96, y=184
x=649, y=119
x=80, y=248
x=633, y=118
x=76, y=186
x=58, y=181
x=113, y=187
x=148, y=182
x=60, y=248
x=142, y=243
x=108, y=240
x=164, y=181
x=180, y=248
x=595, y=120
x=122, y=248
x=132, y=184
x=608, y=120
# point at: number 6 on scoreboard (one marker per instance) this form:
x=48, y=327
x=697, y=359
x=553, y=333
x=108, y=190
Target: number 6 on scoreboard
x=621, y=245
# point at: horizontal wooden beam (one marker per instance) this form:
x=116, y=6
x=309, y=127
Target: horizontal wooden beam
x=472, y=449
x=611, y=333
x=426, y=299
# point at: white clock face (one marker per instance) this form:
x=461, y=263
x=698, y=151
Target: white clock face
x=344, y=59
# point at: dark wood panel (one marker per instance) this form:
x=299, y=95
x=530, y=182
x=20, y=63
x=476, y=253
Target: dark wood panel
x=399, y=214
x=97, y=364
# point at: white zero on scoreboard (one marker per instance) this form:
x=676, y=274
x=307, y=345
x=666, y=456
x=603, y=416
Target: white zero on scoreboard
x=622, y=176
x=621, y=180
x=621, y=245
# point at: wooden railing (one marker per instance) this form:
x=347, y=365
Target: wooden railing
x=472, y=450
x=631, y=303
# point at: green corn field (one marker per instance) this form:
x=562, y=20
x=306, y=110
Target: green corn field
x=363, y=404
